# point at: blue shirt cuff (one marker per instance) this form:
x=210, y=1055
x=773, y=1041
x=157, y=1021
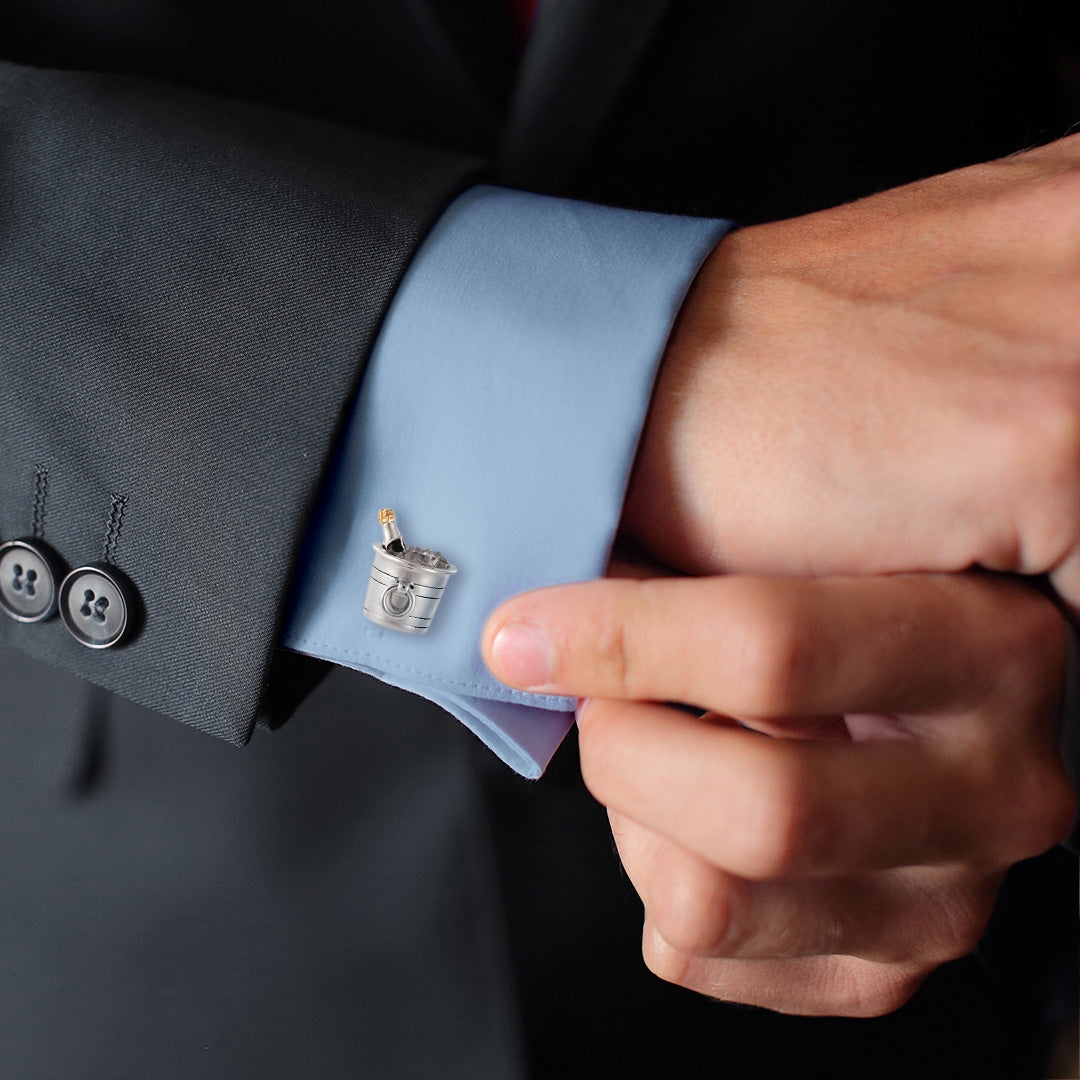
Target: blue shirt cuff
x=499, y=415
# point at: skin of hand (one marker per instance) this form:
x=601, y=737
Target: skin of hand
x=888, y=386
x=895, y=754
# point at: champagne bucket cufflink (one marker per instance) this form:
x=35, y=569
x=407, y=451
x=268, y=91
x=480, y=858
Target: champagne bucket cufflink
x=406, y=583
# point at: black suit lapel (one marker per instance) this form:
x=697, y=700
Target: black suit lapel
x=580, y=57
x=474, y=38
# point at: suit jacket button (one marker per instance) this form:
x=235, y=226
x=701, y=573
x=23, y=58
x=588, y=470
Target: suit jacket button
x=29, y=572
x=96, y=604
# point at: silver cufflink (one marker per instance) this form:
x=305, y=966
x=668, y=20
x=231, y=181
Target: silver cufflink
x=406, y=583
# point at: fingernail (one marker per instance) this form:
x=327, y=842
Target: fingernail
x=580, y=708
x=523, y=655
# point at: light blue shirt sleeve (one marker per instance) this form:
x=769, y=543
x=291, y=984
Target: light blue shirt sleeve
x=498, y=415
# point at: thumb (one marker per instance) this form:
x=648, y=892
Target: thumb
x=772, y=647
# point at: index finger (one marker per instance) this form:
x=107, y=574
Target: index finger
x=766, y=808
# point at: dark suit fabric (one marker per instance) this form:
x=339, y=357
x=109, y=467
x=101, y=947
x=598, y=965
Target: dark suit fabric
x=204, y=211
x=192, y=286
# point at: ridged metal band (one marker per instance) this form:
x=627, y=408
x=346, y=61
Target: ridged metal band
x=402, y=596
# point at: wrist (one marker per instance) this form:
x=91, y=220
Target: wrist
x=669, y=511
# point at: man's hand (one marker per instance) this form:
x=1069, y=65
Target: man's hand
x=892, y=385
x=826, y=870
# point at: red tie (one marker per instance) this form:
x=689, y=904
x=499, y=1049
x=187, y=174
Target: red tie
x=522, y=13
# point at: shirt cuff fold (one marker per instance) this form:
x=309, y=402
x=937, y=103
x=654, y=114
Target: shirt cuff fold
x=499, y=415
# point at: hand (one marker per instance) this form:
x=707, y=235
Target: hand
x=892, y=385
x=828, y=870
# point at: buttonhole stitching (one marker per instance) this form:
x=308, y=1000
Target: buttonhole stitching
x=113, y=527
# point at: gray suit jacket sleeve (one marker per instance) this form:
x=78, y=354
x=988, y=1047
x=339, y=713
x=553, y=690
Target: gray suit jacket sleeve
x=189, y=288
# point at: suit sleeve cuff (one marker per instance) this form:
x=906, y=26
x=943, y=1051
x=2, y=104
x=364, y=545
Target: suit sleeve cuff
x=499, y=415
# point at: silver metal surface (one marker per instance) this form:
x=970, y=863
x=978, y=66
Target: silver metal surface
x=405, y=584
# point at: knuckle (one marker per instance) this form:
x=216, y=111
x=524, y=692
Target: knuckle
x=609, y=654
x=782, y=832
x=1041, y=803
x=693, y=913
x=776, y=655
x=622, y=644
x=1033, y=810
x=1038, y=815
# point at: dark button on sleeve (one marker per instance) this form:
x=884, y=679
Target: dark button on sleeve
x=28, y=575
x=97, y=605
